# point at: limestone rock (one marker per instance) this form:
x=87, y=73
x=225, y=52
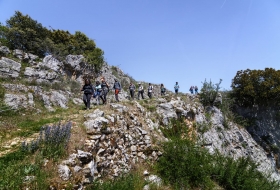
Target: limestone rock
x=59, y=98
x=9, y=68
x=77, y=101
x=84, y=157
x=120, y=108
x=64, y=172
x=4, y=50
x=18, y=53
x=94, y=126
x=96, y=113
x=16, y=100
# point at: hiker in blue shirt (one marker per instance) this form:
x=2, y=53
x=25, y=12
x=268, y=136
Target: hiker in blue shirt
x=98, y=89
x=176, y=87
x=105, y=90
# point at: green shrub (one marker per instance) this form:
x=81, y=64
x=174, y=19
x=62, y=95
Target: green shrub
x=185, y=164
x=240, y=174
x=209, y=92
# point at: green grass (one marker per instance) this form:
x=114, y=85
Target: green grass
x=30, y=126
x=131, y=181
x=14, y=167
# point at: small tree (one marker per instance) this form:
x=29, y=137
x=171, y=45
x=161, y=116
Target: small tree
x=209, y=92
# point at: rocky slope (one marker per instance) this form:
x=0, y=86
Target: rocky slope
x=119, y=135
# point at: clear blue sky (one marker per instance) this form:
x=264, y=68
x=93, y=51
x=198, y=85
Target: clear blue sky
x=164, y=41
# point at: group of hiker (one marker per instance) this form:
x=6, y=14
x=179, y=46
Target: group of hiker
x=101, y=89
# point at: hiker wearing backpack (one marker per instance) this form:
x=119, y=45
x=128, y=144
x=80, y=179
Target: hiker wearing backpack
x=105, y=90
x=132, y=90
x=117, y=86
x=196, y=90
x=150, y=90
x=176, y=87
x=88, y=92
x=98, y=90
x=162, y=90
x=140, y=91
x=191, y=89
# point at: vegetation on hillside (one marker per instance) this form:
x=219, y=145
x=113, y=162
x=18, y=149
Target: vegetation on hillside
x=256, y=87
x=194, y=167
x=24, y=33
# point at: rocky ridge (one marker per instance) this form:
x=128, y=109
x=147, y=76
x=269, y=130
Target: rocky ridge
x=129, y=132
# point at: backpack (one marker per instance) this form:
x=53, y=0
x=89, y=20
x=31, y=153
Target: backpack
x=176, y=87
x=150, y=89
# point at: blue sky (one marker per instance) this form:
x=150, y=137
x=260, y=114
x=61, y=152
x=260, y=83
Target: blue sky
x=164, y=41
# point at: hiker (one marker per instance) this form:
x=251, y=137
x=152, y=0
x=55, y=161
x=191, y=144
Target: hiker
x=98, y=92
x=176, y=87
x=140, y=91
x=150, y=90
x=105, y=90
x=196, y=90
x=191, y=89
x=88, y=92
x=117, y=86
x=132, y=90
x=162, y=90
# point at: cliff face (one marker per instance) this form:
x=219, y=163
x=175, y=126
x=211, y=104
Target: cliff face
x=264, y=127
x=119, y=135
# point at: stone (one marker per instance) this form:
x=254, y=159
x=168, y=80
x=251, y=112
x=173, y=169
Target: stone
x=64, y=172
x=94, y=137
x=4, y=50
x=30, y=58
x=94, y=126
x=30, y=99
x=77, y=101
x=77, y=169
x=96, y=113
x=88, y=169
x=18, y=53
x=84, y=157
x=58, y=98
x=154, y=179
x=52, y=63
x=9, y=68
x=120, y=108
x=133, y=148
x=146, y=173
x=15, y=101
x=40, y=75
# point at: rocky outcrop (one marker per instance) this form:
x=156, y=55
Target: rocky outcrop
x=264, y=125
x=21, y=96
x=4, y=50
x=115, y=142
x=9, y=68
x=235, y=142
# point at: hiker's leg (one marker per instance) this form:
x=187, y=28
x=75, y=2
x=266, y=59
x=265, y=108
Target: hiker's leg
x=105, y=96
x=138, y=95
x=85, y=99
x=132, y=94
x=142, y=94
x=88, y=100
